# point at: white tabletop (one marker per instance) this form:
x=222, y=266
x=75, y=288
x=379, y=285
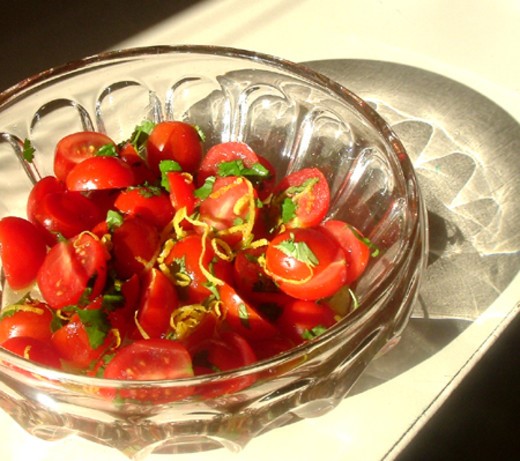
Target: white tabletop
x=475, y=43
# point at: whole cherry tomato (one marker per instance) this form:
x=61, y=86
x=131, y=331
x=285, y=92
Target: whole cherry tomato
x=100, y=173
x=174, y=140
x=33, y=349
x=29, y=320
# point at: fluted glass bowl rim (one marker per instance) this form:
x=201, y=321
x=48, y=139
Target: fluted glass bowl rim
x=33, y=83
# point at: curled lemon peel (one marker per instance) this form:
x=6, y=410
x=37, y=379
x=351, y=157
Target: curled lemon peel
x=26, y=352
x=24, y=308
x=186, y=318
x=141, y=330
x=222, y=249
x=278, y=278
x=117, y=336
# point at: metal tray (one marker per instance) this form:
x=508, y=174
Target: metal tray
x=465, y=149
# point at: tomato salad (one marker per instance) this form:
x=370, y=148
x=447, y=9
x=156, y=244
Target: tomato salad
x=151, y=259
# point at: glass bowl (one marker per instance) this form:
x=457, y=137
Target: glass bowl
x=296, y=118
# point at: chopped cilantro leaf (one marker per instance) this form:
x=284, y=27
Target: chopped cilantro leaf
x=165, y=166
x=299, y=251
x=243, y=315
x=313, y=332
x=28, y=151
x=114, y=219
x=95, y=324
x=203, y=191
x=237, y=168
x=108, y=150
x=140, y=136
x=288, y=210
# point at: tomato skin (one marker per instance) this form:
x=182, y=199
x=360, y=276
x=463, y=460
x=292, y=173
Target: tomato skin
x=182, y=191
x=73, y=345
x=70, y=267
x=65, y=213
x=299, y=279
x=299, y=318
x=184, y=261
x=135, y=243
x=22, y=251
x=100, y=173
x=249, y=276
x=357, y=252
x=75, y=148
x=142, y=173
x=33, y=349
x=309, y=191
x=150, y=359
x=153, y=207
x=174, y=140
x=157, y=303
x=32, y=321
x=242, y=317
x=225, y=152
x=232, y=201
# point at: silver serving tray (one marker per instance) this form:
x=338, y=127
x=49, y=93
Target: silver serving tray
x=466, y=150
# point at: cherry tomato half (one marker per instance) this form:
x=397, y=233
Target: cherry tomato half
x=75, y=148
x=22, y=250
x=357, y=252
x=100, y=173
x=301, y=199
x=306, y=263
x=29, y=320
x=33, y=349
x=174, y=140
x=70, y=268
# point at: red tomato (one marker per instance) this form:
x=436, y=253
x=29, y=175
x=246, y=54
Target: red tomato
x=150, y=204
x=100, y=173
x=22, y=251
x=33, y=349
x=225, y=152
x=157, y=303
x=182, y=191
x=249, y=276
x=230, y=209
x=303, y=320
x=228, y=351
x=70, y=268
x=357, y=252
x=64, y=213
x=150, y=359
x=242, y=317
x=174, y=140
x=142, y=173
x=73, y=344
x=28, y=320
x=185, y=259
x=43, y=187
x=306, y=263
x=135, y=244
x=301, y=199
x=75, y=148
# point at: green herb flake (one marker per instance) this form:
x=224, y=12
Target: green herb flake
x=28, y=150
x=313, y=332
x=140, y=135
x=108, y=150
x=299, y=251
x=243, y=315
x=203, y=191
x=166, y=166
x=288, y=210
x=114, y=219
x=237, y=168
